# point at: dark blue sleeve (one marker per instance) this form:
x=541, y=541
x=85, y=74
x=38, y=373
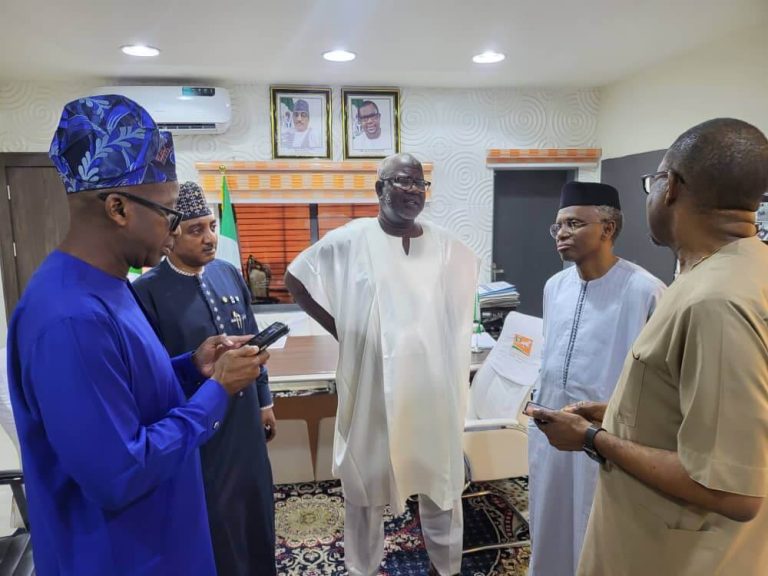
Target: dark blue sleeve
x=262, y=382
x=262, y=387
x=81, y=385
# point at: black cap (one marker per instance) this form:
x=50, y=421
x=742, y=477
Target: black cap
x=589, y=194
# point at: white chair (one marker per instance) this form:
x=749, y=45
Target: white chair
x=324, y=455
x=495, y=431
x=290, y=454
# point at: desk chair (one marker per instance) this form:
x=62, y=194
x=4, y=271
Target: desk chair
x=258, y=277
x=16, y=549
x=495, y=431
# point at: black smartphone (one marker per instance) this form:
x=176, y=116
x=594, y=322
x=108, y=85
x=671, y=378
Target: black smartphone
x=269, y=335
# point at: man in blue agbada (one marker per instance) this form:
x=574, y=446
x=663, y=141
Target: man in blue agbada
x=190, y=296
x=109, y=427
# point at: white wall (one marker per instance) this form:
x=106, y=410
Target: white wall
x=648, y=110
x=452, y=128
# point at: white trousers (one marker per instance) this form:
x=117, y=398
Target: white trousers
x=443, y=532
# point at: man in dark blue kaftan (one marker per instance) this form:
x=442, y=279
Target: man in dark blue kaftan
x=109, y=424
x=189, y=297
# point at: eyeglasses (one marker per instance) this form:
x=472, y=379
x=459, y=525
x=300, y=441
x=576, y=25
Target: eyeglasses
x=406, y=182
x=649, y=178
x=173, y=216
x=373, y=116
x=570, y=225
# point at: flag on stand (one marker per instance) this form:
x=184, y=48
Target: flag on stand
x=229, y=249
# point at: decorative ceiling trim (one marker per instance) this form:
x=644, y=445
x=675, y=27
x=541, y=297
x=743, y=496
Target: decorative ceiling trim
x=551, y=157
x=294, y=182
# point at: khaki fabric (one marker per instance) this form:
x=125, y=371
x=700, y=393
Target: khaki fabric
x=695, y=381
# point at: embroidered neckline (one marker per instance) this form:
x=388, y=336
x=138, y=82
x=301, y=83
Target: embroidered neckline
x=180, y=271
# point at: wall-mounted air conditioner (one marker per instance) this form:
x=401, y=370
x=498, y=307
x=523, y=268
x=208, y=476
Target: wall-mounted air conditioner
x=181, y=109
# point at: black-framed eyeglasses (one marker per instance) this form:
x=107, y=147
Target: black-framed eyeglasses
x=649, y=178
x=173, y=216
x=363, y=118
x=571, y=225
x=406, y=182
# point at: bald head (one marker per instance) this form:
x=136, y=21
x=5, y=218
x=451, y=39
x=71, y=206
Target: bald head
x=723, y=162
x=392, y=164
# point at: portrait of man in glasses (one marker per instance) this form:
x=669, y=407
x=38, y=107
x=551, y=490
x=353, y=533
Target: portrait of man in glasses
x=371, y=130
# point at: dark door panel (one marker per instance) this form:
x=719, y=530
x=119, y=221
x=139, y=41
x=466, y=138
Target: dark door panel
x=525, y=205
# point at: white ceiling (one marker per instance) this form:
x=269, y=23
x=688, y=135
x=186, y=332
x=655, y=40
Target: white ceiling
x=398, y=42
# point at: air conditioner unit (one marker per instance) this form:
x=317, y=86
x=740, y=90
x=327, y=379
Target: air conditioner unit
x=181, y=109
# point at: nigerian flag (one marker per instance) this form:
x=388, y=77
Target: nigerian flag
x=133, y=273
x=229, y=249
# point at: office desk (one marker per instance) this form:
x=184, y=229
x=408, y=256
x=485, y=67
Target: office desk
x=307, y=365
x=302, y=377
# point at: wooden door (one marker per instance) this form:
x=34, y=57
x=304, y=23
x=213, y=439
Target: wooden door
x=34, y=216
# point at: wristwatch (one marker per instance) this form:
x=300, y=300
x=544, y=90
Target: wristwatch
x=589, y=444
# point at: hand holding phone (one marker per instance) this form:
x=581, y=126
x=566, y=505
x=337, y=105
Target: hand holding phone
x=531, y=406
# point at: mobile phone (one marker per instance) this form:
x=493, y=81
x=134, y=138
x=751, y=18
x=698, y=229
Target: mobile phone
x=269, y=335
x=534, y=406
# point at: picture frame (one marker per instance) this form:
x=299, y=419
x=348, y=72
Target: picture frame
x=761, y=219
x=301, y=121
x=370, y=120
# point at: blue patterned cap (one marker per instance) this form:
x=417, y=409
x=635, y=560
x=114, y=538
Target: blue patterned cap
x=110, y=141
x=191, y=202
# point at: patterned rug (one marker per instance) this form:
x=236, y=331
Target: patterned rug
x=310, y=531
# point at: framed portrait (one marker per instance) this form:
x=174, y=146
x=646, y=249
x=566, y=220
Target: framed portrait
x=761, y=219
x=301, y=122
x=371, y=122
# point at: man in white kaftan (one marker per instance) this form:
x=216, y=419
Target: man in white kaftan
x=593, y=311
x=398, y=295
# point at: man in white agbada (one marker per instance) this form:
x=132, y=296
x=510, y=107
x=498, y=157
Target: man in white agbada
x=398, y=294
x=593, y=311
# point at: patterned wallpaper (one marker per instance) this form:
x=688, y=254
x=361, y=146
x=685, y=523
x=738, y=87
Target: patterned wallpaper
x=451, y=127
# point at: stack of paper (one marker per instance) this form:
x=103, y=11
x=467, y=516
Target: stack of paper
x=498, y=295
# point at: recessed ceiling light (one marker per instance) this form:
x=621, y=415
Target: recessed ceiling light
x=339, y=56
x=140, y=50
x=488, y=57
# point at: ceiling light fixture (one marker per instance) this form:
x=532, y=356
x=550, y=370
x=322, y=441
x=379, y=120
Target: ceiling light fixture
x=488, y=57
x=140, y=50
x=339, y=56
